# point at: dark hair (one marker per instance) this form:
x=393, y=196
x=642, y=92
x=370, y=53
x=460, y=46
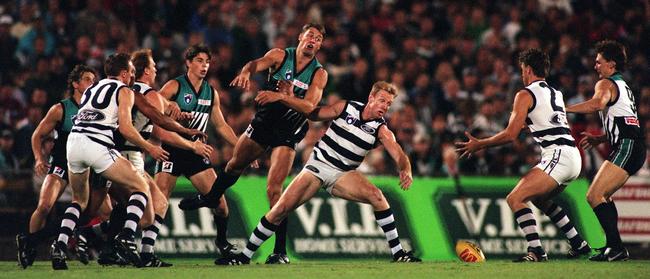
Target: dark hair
x=77, y=72
x=317, y=26
x=613, y=51
x=194, y=50
x=537, y=60
x=140, y=61
x=116, y=63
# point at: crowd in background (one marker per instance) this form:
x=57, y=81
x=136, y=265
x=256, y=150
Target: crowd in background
x=454, y=62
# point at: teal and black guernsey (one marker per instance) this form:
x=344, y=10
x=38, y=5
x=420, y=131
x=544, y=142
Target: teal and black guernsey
x=286, y=121
x=70, y=109
x=198, y=103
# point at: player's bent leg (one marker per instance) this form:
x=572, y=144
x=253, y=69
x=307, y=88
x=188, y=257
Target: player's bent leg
x=535, y=184
x=354, y=186
x=52, y=188
x=281, y=162
x=79, y=184
x=301, y=189
x=246, y=151
x=608, y=180
x=123, y=174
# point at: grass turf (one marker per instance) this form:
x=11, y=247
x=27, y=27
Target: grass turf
x=203, y=268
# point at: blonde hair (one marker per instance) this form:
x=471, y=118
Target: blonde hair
x=383, y=85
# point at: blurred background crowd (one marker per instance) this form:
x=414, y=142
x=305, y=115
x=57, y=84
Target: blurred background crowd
x=454, y=62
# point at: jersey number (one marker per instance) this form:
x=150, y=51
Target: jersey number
x=106, y=91
x=631, y=96
x=553, y=104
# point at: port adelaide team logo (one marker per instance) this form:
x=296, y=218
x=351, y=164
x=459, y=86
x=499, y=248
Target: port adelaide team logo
x=288, y=75
x=187, y=98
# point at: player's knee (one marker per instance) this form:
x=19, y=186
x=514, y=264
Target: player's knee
x=234, y=166
x=594, y=198
x=513, y=199
x=273, y=192
x=375, y=196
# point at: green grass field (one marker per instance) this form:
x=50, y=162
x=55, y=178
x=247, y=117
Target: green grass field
x=203, y=268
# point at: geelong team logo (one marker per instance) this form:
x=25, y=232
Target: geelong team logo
x=350, y=119
x=187, y=98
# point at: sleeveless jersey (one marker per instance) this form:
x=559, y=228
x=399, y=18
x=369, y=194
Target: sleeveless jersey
x=547, y=117
x=619, y=117
x=63, y=128
x=289, y=121
x=348, y=139
x=97, y=116
x=198, y=103
x=141, y=123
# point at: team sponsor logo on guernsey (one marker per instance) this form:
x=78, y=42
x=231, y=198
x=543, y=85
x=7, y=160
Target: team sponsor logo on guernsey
x=312, y=168
x=300, y=84
x=204, y=102
x=187, y=98
x=90, y=115
x=368, y=129
x=630, y=120
x=167, y=166
x=58, y=171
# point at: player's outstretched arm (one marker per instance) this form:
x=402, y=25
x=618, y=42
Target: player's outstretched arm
x=156, y=116
x=53, y=116
x=523, y=101
x=129, y=132
x=602, y=95
x=327, y=113
x=304, y=106
x=272, y=58
x=387, y=139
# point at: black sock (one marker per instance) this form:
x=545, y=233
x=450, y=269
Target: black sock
x=221, y=184
x=281, y=238
x=117, y=219
x=608, y=217
x=222, y=228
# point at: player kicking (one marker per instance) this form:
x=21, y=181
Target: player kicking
x=542, y=108
x=615, y=102
x=91, y=143
x=356, y=128
x=193, y=95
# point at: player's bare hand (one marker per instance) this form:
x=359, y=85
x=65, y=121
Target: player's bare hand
x=174, y=111
x=589, y=140
x=255, y=164
x=242, y=81
x=285, y=87
x=41, y=168
x=157, y=153
x=405, y=179
x=196, y=134
x=202, y=149
x=267, y=97
x=468, y=147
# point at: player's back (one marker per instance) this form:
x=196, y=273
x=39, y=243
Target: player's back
x=547, y=118
x=97, y=118
x=141, y=123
